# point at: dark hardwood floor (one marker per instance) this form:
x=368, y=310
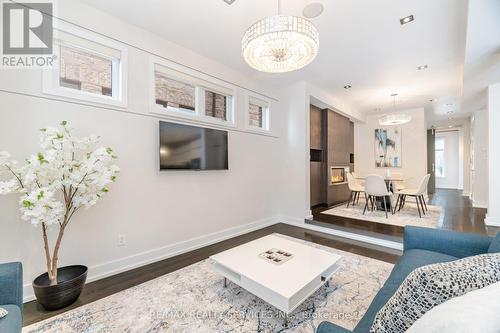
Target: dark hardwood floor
x=458, y=215
x=33, y=312
x=354, y=225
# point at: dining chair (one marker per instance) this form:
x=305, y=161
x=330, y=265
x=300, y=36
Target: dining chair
x=398, y=185
x=417, y=193
x=360, y=182
x=355, y=189
x=375, y=187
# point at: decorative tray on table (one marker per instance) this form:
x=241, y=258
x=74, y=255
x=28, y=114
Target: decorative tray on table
x=276, y=256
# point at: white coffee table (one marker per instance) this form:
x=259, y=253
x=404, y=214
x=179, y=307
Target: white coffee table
x=284, y=285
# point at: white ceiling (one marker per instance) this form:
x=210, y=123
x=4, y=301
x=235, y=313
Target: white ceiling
x=482, y=57
x=361, y=43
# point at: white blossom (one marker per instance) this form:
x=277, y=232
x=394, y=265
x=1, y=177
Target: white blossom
x=9, y=186
x=41, y=206
x=67, y=173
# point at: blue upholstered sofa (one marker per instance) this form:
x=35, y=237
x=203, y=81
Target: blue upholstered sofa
x=422, y=246
x=11, y=297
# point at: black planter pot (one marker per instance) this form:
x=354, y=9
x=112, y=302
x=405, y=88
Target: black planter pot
x=70, y=282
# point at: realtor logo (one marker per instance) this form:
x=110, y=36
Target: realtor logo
x=27, y=30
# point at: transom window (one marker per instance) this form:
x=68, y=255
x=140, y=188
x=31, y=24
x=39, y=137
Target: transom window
x=180, y=94
x=216, y=105
x=88, y=67
x=174, y=94
x=258, y=114
x=81, y=70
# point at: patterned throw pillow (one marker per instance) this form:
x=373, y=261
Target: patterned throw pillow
x=431, y=285
x=3, y=312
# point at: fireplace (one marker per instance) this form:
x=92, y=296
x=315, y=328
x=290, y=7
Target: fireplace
x=338, y=174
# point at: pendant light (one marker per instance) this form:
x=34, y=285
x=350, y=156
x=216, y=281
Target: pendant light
x=394, y=118
x=280, y=43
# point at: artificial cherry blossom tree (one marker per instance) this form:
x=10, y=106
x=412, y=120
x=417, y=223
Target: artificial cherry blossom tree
x=64, y=176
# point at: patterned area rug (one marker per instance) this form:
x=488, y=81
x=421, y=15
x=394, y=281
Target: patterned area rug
x=406, y=216
x=193, y=299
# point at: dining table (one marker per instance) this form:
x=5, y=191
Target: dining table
x=389, y=180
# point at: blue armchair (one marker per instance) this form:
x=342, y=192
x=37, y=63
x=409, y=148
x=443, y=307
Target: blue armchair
x=422, y=246
x=11, y=296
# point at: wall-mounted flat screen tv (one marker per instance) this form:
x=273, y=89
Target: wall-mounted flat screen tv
x=184, y=147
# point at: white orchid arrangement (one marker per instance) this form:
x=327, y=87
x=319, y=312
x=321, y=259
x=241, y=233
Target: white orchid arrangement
x=66, y=175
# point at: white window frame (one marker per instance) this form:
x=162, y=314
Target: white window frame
x=229, y=104
x=201, y=83
x=263, y=102
x=51, y=76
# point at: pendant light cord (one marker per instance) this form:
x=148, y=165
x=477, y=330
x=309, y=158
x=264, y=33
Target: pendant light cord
x=394, y=102
x=279, y=7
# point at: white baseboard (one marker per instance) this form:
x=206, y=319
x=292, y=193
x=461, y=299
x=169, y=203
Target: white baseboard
x=140, y=259
x=492, y=221
x=479, y=204
x=298, y=222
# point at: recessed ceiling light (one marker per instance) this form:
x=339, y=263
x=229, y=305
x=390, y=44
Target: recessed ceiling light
x=451, y=126
x=312, y=10
x=449, y=112
x=406, y=19
x=347, y=86
x=229, y=2
x=432, y=100
x=394, y=95
x=422, y=67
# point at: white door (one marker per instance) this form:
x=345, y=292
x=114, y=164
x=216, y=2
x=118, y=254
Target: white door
x=447, y=159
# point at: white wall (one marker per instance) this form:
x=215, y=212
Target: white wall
x=461, y=159
x=493, y=216
x=160, y=213
x=479, y=153
x=414, y=150
x=297, y=99
x=452, y=161
x=295, y=176
x=324, y=100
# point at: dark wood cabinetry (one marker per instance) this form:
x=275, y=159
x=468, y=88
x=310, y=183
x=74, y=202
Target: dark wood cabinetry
x=331, y=144
x=340, y=142
x=317, y=156
x=316, y=132
x=339, y=139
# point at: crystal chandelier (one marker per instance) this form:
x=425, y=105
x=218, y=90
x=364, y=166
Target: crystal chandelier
x=394, y=118
x=280, y=43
